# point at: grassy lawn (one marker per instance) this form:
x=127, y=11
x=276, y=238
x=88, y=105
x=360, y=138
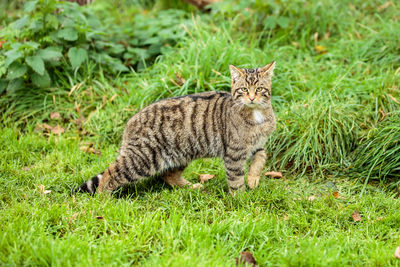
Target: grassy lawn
x=337, y=100
x=151, y=224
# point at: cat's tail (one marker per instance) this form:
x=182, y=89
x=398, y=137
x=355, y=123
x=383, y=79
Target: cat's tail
x=90, y=186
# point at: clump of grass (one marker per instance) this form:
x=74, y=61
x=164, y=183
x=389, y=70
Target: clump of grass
x=314, y=135
x=378, y=156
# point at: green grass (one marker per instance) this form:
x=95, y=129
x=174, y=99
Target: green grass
x=338, y=123
x=153, y=224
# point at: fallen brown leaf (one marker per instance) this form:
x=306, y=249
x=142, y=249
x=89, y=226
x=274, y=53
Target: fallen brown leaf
x=397, y=253
x=335, y=194
x=383, y=114
x=384, y=6
x=90, y=149
x=379, y=219
x=274, y=174
x=321, y=49
x=79, y=121
x=99, y=217
x=246, y=257
x=393, y=98
x=356, y=216
x=43, y=127
x=179, y=79
x=55, y=115
x=43, y=190
x=57, y=130
x=311, y=198
x=206, y=177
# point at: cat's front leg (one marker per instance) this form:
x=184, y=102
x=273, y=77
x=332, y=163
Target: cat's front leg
x=256, y=167
x=235, y=173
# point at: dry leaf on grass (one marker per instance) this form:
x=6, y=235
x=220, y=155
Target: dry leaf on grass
x=384, y=6
x=43, y=127
x=321, y=49
x=379, y=219
x=57, y=130
x=274, y=174
x=335, y=194
x=90, y=149
x=55, y=116
x=205, y=177
x=311, y=198
x=246, y=258
x=99, y=217
x=356, y=216
x=286, y=217
x=397, y=253
x=43, y=190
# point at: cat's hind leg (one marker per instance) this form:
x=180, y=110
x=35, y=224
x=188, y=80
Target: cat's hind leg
x=174, y=178
x=256, y=167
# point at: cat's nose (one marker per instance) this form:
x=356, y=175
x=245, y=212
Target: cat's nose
x=252, y=98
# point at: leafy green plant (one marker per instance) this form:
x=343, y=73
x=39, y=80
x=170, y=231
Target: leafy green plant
x=63, y=35
x=48, y=35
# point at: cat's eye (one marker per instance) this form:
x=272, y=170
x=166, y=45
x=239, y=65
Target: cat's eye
x=259, y=89
x=244, y=89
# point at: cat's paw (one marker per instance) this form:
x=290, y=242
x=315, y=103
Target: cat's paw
x=252, y=181
x=235, y=192
x=196, y=186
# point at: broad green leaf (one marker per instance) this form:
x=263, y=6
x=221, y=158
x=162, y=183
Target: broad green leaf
x=15, y=46
x=117, y=66
x=30, y=6
x=283, y=22
x=270, y=22
x=19, y=24
x=36, y=63
x=77, y=56
x=69, y=34
x=3, y=85
x=14, y=85
x=31, y=44
x=41, y=80
x=11, y=57
x=50, y=53
x=16, y=70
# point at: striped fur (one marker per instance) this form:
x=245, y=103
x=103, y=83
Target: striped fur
x=167, y=135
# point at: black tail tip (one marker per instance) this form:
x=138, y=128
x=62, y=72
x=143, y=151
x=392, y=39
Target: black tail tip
x=89, y=186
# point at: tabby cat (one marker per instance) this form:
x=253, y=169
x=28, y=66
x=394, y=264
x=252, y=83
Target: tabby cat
x=167, y=135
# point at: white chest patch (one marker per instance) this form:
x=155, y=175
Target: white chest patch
x=258, y=116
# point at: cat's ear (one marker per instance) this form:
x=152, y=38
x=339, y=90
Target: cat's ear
x=236, y=73
x=268, y=70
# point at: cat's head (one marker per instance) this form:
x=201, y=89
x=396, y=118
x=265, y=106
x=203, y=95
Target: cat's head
x=252, y=87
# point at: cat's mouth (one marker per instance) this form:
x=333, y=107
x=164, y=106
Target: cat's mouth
x=252, y=104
